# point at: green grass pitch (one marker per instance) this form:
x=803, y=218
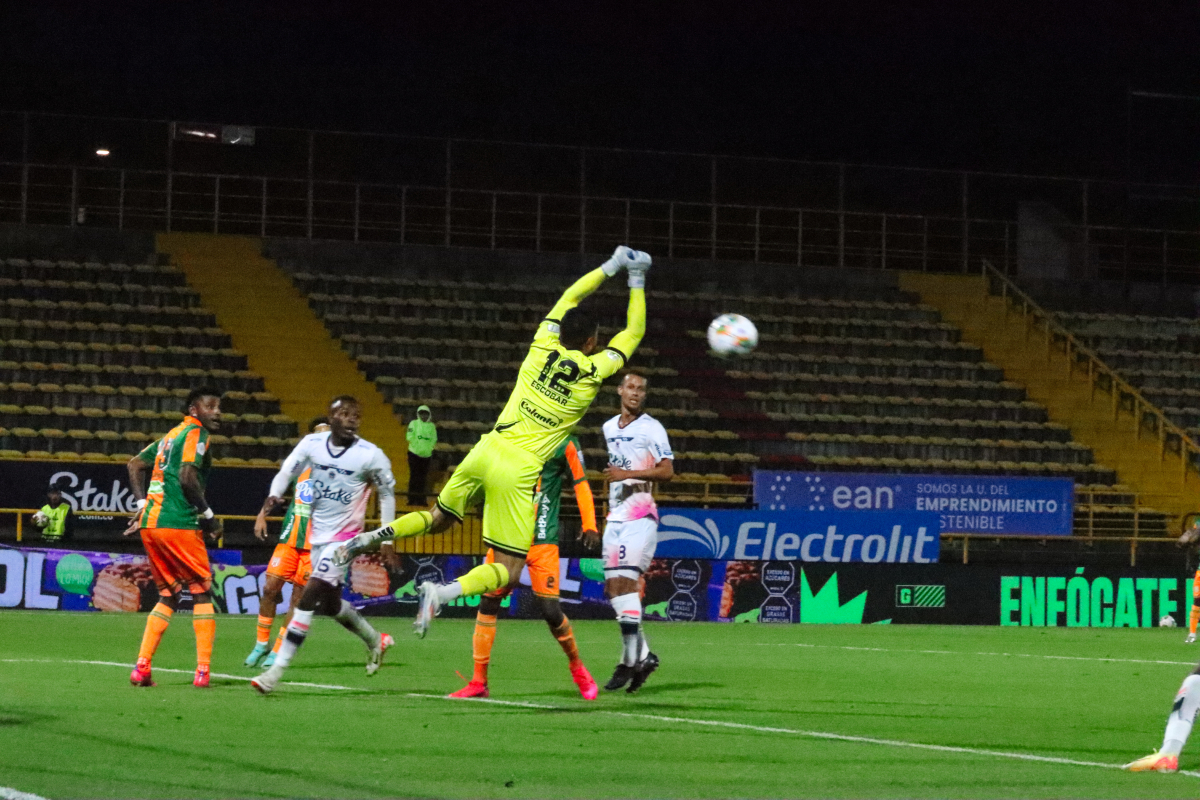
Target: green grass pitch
x=735, y=710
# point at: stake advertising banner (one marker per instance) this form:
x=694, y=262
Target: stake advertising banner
x=872, y=537
x=963, y=503
x=105, y=487
x=677, y=589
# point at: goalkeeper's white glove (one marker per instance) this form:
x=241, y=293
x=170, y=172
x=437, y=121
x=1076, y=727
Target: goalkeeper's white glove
x=637, y=264
x=616, y=263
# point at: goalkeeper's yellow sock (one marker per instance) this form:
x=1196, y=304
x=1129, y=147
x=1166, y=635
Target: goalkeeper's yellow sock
x=484, y=578
x=414, y=523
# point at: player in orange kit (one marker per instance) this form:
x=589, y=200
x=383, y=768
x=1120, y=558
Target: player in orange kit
x=172, y=513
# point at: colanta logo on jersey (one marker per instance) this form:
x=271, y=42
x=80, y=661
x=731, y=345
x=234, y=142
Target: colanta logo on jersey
x=539, y=416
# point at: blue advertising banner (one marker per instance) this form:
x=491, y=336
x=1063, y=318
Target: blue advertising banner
x=872, y=537
x=963, y=503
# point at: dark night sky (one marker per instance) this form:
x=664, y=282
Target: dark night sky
x=1037, y=87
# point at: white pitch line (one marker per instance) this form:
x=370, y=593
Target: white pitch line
x=971, y=653
x=181, y=671
x=12, y=794
x=839, y=737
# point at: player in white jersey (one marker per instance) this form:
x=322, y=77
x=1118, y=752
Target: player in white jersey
x=639, y=455
x=344, y=468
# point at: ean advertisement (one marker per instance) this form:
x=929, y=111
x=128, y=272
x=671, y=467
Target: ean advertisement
x=962, y=503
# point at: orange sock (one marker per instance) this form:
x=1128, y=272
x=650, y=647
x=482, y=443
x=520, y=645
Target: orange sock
x=1195, y=618
x=264, y=629
x=156, y=626
x=279, y=639
x=481, y=645
x=566, y=640
x=204, y=623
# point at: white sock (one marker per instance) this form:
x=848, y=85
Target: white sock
x=449, y=591
x=629, y=617
x=297, y=631
x=357, y=624
x=643, y=645
x=1183, y=714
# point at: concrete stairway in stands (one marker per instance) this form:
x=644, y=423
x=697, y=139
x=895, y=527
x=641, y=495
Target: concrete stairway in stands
x=270, y=321
x=1002, y=332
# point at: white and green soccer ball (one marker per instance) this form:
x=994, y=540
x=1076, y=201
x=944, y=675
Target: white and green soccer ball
x=40, y=519
x=1166, y=621
x=732, y=336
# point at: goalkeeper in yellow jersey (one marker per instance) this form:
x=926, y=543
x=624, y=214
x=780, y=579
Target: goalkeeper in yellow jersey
x=556, y=384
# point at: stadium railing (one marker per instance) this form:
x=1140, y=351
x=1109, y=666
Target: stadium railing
x=1124, y=397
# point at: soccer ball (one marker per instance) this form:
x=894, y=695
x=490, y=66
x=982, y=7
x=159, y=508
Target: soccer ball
x=1166, y=621
x=731, y=336
x=40, y=520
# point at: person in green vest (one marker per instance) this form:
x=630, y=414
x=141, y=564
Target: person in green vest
x=54, y=518
x=422, y=436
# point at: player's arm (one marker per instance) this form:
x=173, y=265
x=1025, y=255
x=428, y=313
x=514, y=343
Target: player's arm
x=621, y=347
x=661, y=472
x=194, y=446
x=137, y=467
x=578, y=291
x=384, y=481
x=583, y=493
x=664, y=462
x=292, y=466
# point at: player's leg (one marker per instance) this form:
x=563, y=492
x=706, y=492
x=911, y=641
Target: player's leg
x=646, y=544
x=482, y=640
x=160, y=616
x=282, y=566
x=189, y=558
x=1179, y=727
x=317, y=592
x=298, y=581
x=543, y=563
x=204, y=624
x=169, y=589
x=628, y=548
x=508, y=478
x=1194, y=616
x=461, y=492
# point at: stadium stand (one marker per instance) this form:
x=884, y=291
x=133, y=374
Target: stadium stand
x=96, y=358
x=850, y=377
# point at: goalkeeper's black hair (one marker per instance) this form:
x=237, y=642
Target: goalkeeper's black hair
x=576, y=327
x=198, y=394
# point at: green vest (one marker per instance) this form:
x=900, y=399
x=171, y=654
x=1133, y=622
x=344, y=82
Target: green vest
x=57, y=526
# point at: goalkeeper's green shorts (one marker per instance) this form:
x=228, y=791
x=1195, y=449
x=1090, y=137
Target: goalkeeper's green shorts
x=505, y=479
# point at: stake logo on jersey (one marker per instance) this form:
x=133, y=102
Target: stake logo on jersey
x=639, y=445
x=340, y=484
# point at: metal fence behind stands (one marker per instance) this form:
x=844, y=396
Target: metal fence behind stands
x=168, y=176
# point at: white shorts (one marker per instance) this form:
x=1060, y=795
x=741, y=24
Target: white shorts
x=322, y=565
x=629, y=545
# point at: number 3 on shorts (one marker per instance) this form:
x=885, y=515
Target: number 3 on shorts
x=621, y=552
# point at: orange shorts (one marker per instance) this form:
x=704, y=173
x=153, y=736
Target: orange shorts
x=542, y=560
x=290, y=564
x=178, y=559
x=1196, y=586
